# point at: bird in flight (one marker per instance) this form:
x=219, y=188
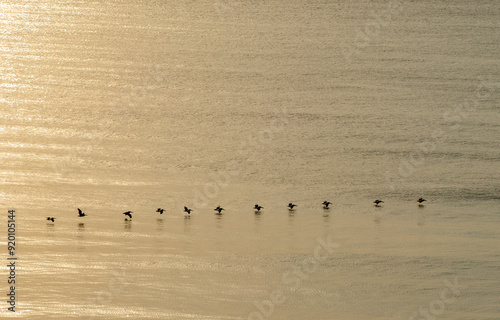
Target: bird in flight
x=81, y=213
x=378, y=202
x=257, y=207
x=291, y=206
x=160, y=210
x=128, y=214
x=51, y=218
x=187, y=210
x=421, y=201
x=326, y=204
x=219, y=209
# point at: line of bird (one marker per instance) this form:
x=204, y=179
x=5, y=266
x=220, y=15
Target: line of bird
x=219, y=209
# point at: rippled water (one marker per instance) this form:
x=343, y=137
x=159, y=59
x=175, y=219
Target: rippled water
x=134, y=105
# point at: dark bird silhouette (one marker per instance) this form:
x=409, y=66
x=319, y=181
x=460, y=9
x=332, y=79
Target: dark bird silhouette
x=291, y=206
x=187, y=210
x=257, y=207
x=160, y=210
x=128, y=213
x=421, y=201
x=80, y=213
x=326, y=204
x=51, y=219
x=378, y=202
x=219, y=209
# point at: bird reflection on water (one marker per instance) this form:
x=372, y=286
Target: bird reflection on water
x=257, y=220
x=326, y=216
x=51, y=226
x=159, y=223
x=127, y=224
x=81, y=237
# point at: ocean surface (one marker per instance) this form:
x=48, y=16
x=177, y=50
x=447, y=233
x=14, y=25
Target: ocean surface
x=111, y=106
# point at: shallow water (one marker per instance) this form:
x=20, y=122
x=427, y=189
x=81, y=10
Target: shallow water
x=135, y=106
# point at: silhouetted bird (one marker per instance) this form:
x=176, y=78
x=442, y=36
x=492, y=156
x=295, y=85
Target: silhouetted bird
x=326, y=204
x=421, y=201
x=378, y=202
x=291, y=206
x=219, y=209
x=257, y=207
x=160, y=210
x=187, y=210
x=128, y=213
x=51, y=218
x=80, y=213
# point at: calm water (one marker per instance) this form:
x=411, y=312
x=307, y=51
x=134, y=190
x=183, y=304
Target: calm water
x=135, y=105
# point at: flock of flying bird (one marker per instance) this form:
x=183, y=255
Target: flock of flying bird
x=219, y=209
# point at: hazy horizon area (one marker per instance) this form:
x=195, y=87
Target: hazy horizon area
x=132, y=106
